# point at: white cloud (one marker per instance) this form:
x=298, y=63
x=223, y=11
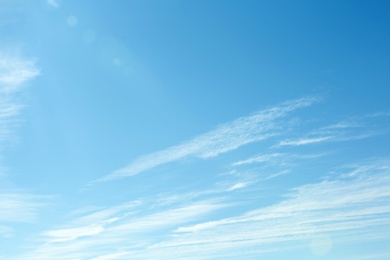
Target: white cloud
x=237, y=186
x=304, y=141
x=227, y=137
x=316, y=216
x=167, y=218
x=14, y=72
x=98, y=240
x=18, y=207
x=61, y=235
x=355, y=128
x=105, y=215
x=339, y=207
x=258, y=159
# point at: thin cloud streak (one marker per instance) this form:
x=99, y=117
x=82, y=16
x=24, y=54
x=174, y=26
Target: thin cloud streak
x=228, y=137
x=352, y=205
x=355, y=128
x=339, y=207
x=369, y=185
x=14, y=73
x=17, y=207
x=61, y=235
x=128, y=232
x=304, y=141
x=258, y=159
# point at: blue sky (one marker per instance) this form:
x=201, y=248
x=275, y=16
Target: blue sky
x=194, y=129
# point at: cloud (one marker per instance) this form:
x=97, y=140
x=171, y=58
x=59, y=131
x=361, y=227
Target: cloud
x=334, y=210
x=237, y=186
x=14, y=73
x=19, y=207
x=61, y=235
x=227, y=137
x=304, y=141
x=105, y=215
x=355, y=128
x=277, y=159
x=167, y=218
x=129, y=231
x=15, y=207
x=364, y=195
x=352, y=205
x=90, y=224
x=258, y=159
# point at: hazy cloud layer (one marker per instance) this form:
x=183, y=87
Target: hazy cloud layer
x=354, y=204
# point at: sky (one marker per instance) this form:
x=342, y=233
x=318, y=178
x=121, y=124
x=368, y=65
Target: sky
x=194, y=129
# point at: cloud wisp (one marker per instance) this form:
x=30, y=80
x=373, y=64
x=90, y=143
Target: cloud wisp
x=14, y=73
x=17, y=207
x=335, y=209
x=225, y=138
x=354, y=129
x=123, y=229
x=352, y=205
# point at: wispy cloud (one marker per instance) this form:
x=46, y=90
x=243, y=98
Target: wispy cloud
x=368, y=185
x=19, y=207
x=352, y=205
x=261, y=168
x=355, y=128
x=258, y=159
x=15, y=206
x=237, y=186
x=192, y=222
x=106, y=214
x=14, y=72
x=128, y=231
x=61, y=235
x=227, y=137
x=92, y=223
x=339, y=207
x=304, y=141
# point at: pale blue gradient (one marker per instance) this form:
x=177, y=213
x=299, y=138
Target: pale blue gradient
x=194, y=129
